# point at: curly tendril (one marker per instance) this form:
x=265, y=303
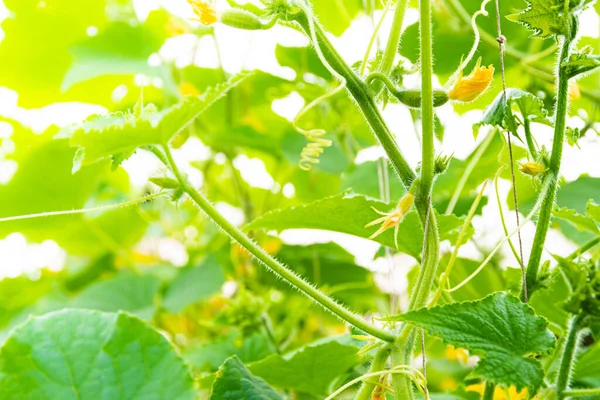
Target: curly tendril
x=310, y=154
x=464, y=62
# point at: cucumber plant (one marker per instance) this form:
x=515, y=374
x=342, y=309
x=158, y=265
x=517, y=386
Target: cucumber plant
x=163, y=296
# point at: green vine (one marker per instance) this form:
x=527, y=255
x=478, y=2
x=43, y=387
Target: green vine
x=267, y=260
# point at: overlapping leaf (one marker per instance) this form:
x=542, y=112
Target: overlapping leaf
x=101, y=137
x=332, y=214
x=234, y=381
x=501, y=329
x=311, y=369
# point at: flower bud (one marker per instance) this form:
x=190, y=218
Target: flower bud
x=242, y=20
x=532, y=168
x=406, y=203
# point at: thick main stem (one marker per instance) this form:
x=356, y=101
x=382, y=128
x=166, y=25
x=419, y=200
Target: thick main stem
x=568, y=358
x=562, y=105
x=276, y=267
x=430, y=257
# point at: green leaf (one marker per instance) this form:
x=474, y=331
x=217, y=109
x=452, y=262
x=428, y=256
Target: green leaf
x=311, y=369
x=500, y=112
x=48, y=31
x=248, y=349
x=82, y=354
x=331, y=214
x=581, y=222
x=580, y=63
x=121, y=48
x=500, y=329
x=336, y=15
x=101, y=137
x=576, y=195
x=593, y=211
x=544, y=17
x=234, y=382
x=194, y=284
x=126, y=292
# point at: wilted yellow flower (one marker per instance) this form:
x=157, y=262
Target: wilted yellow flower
x=532, y=168
x=394, y=218
x=468, y=88
x=205, y=11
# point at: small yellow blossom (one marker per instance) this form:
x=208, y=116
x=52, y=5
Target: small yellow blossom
x=532, y=168
x=468, y=88
x=574, y=92
x=448, y=384
x=205, y=11
x=457, y=354
x=501, y=394
x=394, y=218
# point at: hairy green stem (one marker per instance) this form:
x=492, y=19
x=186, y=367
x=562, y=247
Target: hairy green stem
x=431, y=245
x=391, y=49
x=568, y=357
x=529, y=136
x=562, y=105
x=378, y=364
x=582, y=392
x=488, y=393
x=587, y=246
x=361, y=95
x=273, y=265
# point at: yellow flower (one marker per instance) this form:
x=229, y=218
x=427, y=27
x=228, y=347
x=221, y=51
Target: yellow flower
x=456, y=354
x=467, y=89
x=574, y=92
x=500, y=393
x=205, y=11
x=532, y=168
x=394, y=218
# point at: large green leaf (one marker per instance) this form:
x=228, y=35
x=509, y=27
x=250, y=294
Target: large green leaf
x=544, y=17
x=311, y=369
x=48, y=30
x=121, y=48
x=248, y=349
x=101, y=137
x=501, y=329
x=127, y=292
x=332, y=214
x=193, y=284
x=575, y=195
x=80, y=354
x=235, y=382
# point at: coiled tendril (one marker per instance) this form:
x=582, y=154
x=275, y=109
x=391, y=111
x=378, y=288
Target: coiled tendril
x=317, y=144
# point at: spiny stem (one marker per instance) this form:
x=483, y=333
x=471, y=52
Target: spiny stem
x=582, y=392
x=273, y=265
x=592, y=243
x=562, y=105
x=85, y=210
x=378, y=364
x=393, y=42
x=430, y=256
x=568, y=358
